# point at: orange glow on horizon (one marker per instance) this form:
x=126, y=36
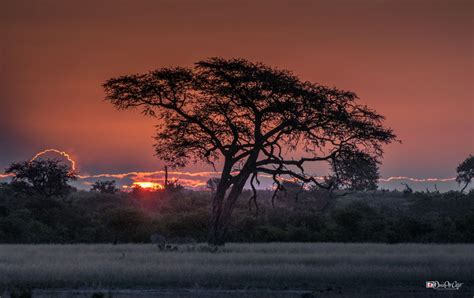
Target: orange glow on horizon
x=148, y=185
x=193, y=180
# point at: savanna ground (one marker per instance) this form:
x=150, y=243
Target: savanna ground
x=237, y=270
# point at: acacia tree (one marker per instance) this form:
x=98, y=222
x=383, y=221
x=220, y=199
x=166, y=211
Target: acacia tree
x=251, y=118
x=465, y=172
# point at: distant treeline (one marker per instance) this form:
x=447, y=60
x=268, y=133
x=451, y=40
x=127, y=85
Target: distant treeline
x=376, y=216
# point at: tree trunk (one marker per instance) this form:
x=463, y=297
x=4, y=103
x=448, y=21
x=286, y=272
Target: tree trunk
x=222, y=210
x=215, y=223
x=223, y=203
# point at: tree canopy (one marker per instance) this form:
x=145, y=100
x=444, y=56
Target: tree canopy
x=355, y=171
x=45, y=178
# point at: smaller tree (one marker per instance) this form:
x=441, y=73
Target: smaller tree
x=465, y=172
x=108, y=186
x=43, y=177
x=354, y=170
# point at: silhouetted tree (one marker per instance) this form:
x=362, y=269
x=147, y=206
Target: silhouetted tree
x=355, y=170
x=108, y=186
x=43, y=177
x=245, y=115
x=465, y=172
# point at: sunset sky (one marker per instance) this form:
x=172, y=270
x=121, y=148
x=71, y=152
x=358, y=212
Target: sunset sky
x=410, y=60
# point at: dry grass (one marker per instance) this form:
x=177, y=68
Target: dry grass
x=269, y=265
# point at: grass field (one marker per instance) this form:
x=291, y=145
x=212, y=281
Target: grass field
x=292, y=268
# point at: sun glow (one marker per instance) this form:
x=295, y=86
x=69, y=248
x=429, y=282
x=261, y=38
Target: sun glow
x=148, y=185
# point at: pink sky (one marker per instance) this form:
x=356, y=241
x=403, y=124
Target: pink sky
x=410, y=60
